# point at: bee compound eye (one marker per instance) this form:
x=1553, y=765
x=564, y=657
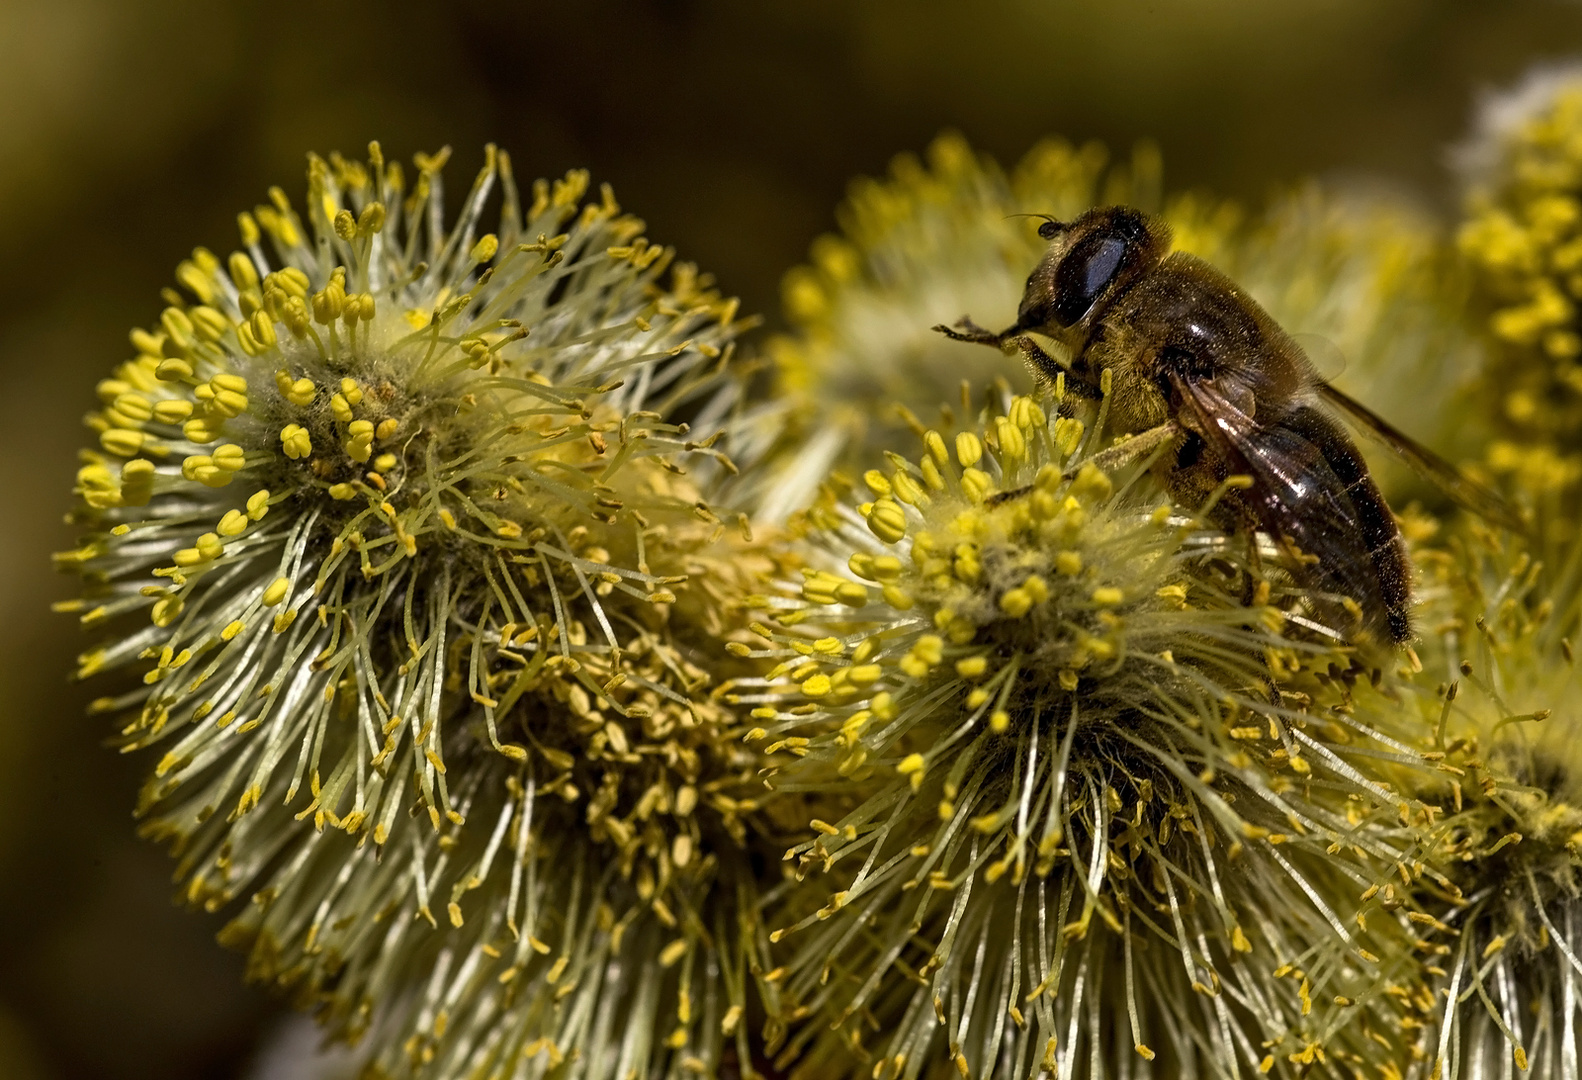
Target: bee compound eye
x=1084, y=274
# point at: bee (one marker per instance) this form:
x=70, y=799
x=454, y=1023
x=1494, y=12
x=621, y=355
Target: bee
x=1199, y=371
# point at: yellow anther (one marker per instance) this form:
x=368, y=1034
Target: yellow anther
x=145, y=343
x=1013, y=446
x=359, y=440
x=98, y=486
x=360, y=306
x=926, y=653
x=1069, y=563
x=210, y=546
x=262, y=328
x=341, y=408
x=371, y=220
x=294, y=313
x=177, y=327
x=137, y=482
x=898, y=597
x=234, y=523
x=969, y=448
x=172, y=411
x=345, y=225
x=887, y=520
x=201, y=431
x=342, y=492
x=1016, y=602
x=123, y=442
x=243, y=274
x=386, y=430
x=230, y=457
x=208, y=323
x=202, y=469
x=301, y=392
x=276, y=592
x=1092, y=484
x=330, y=302
x=865, y=674
x=1036, y=588
x=876, y=482
x=1026, y=414
x=817, y=686
x=1068, y=433
x=1108, y=596
x=351, y=391
x=976, y=484
x=485, y=248
x=134, y=407
x=909, y=490
x=166, y=610
x=258, y=504
x=972, y=667
x=173, y=369
x=935, y=443
x=296, y=442
x=295, y=282
x=232, y=628
x=999, y=720
x=110, y=389
x=886, y=567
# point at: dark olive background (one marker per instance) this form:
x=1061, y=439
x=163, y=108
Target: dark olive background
x=130, y=132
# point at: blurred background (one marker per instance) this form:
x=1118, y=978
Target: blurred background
x=133, y=130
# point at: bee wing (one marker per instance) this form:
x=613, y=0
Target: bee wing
x=1298, y=499
x=1462, y=489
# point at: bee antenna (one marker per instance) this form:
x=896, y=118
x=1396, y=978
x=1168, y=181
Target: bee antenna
x=1051, y=227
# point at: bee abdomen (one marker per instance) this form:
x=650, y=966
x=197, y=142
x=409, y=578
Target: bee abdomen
x=1376, y=527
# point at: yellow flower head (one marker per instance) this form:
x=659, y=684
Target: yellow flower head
x=1498, y=907
x=399, y=522
x=1522, y=237
x=1060, y=813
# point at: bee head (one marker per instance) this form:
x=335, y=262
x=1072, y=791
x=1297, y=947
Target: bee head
x=1090, y=262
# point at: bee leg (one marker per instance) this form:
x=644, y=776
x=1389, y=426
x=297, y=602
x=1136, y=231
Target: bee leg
x=1006, y=496
x=1047, y=368
x=1253, y=575
x=1115, y=456
x=1135, y=447
x=967, y=330
x=1044, y=366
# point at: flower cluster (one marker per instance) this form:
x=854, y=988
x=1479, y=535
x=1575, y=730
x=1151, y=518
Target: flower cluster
x=412, y=518
x=1076, y=764
x=1523, y=238
x=1499, y=914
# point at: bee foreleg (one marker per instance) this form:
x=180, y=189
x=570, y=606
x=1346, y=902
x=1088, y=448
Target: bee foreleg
x=1121, y=453
x=1046, y=367
x=967, y=330
x=1114, y=457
